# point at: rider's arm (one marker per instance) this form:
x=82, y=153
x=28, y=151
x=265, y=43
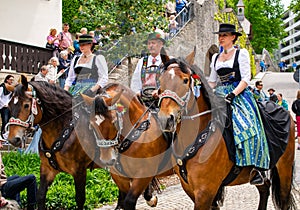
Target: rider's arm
x=102, y=72
x=245, y=70
x=136, y=81
x=71, y=75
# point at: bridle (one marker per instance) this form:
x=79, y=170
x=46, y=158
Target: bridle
x=181, y=101
x=133, y=133
x=29, y=122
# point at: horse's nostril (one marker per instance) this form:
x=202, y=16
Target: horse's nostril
x=171, y=121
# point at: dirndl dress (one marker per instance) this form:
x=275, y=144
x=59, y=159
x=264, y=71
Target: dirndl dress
x=86, y=78
x=249, y=136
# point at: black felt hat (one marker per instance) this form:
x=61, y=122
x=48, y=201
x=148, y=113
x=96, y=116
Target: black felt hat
x=226, y=27
x=85, y=39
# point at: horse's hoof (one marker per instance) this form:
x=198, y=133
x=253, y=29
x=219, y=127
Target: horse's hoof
x=153, y=201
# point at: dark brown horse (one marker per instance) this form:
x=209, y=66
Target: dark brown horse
x=132, y=144
x=204, y=175
x=60, y=149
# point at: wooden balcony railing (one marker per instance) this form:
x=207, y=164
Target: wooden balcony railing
x=22, y=58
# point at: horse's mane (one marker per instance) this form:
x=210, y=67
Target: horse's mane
x=206, y=90
x=100, y=106
x=54, y=100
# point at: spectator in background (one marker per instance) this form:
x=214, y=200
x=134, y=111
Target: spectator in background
x=296, y=110
x=41, y=76
x=12, y=186
x=282, y=66
x=63, y=67
x=65, y=38
x=52, y=67
x=83, y=31
x=98, y=35
x=6, y=89
x=76, y=44
x=282, y=102
x=170, y=8
x=173, y=26
x=180, y=4
x=53, y=42
x=258, y=92
x=262, y=66
x=294, y=65
x=272, y=95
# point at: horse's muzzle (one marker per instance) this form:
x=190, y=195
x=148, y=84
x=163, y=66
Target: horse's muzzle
x=168, y=124
x=16, y=141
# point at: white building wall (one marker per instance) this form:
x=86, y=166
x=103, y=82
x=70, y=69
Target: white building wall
x=29, y=21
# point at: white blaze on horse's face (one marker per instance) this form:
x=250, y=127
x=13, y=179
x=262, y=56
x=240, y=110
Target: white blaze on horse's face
x=172, y=73
x=99, y=119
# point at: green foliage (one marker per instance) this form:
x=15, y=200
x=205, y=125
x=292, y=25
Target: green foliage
x=295, y=6
x=70, y=11
x=100, y=188
x=265, y=17
x=118, y=16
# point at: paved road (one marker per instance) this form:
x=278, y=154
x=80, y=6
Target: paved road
x=243, y=197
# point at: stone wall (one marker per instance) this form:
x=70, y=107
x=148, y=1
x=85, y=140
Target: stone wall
x=198, y=33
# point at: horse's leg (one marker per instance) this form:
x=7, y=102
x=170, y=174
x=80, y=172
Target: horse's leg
x=137, y=188
x=151, y=201
x=203, y=200
x=264, y=193
x=282, y=177
x=121, y=198
x=80, y=181
x=47, y=175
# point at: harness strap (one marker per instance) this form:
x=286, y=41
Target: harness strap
x=193, y=148
x=57, y=145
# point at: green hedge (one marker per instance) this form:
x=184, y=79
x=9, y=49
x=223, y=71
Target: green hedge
x=100, y=189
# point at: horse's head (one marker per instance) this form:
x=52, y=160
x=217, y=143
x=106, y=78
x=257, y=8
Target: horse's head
x=174, y=93
x=106, y=123
x=25, y=112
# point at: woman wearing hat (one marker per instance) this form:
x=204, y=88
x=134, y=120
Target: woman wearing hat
x=231, y=68
x=87, y=72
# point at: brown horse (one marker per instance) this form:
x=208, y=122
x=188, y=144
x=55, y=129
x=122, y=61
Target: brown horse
x=132, y=144
x=204, y=164
x=65, y=145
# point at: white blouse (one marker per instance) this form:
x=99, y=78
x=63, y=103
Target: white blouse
x=244, y=64
x=101, y=68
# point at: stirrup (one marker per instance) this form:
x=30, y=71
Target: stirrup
x=258, y=178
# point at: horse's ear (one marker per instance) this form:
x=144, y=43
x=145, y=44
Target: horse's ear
x=24, y=82
x=87, y=100
x=190, y=58
x=164, y=57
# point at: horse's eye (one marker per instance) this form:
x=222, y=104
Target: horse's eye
x=186, y=80
x=26, y=106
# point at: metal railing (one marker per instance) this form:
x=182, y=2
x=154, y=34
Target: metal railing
x=183, y=18
x=22, y=58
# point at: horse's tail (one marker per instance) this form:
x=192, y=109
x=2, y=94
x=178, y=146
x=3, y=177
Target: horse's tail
x=219, y=198
x=276, y=188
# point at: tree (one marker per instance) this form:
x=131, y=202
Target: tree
x=295, y=6
x=265, y=17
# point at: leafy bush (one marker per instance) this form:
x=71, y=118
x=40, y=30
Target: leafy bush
x=100, y=188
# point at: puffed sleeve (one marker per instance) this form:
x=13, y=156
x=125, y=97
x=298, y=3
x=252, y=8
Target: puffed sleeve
x=136, y=81
x=102, y=70
x=244, y=62
x=213, y=73
x=71, y=75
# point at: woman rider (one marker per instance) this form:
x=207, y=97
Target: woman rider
x=232, y=68
x=88, y=72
